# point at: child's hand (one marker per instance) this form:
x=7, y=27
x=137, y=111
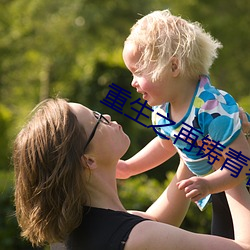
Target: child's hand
x=194, y=187
x=122, y=170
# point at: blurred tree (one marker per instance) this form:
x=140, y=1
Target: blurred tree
x=228, y=22
x=244, y=102
x=5, y=123
x=72, y=48
x=57, y=46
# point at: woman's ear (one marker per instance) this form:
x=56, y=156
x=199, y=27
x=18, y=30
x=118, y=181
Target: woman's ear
x=175, y=66
x=89, y=161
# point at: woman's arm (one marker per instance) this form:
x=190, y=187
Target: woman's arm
x=239, y=203
x=153, y=154
x=160, y=236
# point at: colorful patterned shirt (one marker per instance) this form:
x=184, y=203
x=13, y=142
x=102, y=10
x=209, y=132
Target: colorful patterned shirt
x=212, y=113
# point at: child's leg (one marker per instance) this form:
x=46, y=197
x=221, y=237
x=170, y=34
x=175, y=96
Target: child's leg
x=222, y=224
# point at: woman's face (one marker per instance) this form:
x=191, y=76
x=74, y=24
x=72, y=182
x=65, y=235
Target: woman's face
x=109, y=140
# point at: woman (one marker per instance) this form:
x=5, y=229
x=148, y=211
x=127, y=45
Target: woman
x=65, y=188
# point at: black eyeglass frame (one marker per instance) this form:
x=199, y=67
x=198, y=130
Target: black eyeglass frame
x=100, y=118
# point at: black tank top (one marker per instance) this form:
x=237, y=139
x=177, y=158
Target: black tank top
x=102, y=229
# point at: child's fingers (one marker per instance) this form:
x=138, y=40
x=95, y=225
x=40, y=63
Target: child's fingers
x=184, y=183
x=194, y=195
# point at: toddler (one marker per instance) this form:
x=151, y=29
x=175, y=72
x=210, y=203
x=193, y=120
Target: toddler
x=170, y=59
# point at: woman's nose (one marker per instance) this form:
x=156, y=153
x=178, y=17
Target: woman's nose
x=108, y=117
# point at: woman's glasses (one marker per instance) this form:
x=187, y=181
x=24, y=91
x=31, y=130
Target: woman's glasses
x=100, y=118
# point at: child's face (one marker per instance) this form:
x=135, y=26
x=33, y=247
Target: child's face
x=152, y=92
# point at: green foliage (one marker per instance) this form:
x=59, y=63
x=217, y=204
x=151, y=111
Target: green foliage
x=73, y=48
x=228, y=22
x=139, y=192
x=244, y=102
x=197, y=221
x=5, y=124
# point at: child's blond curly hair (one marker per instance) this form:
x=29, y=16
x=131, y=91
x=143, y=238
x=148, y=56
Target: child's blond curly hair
x=161, y=36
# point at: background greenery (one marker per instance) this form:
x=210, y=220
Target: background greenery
x=72, y=48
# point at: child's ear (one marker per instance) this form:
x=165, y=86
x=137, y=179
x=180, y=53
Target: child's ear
x=175, y=66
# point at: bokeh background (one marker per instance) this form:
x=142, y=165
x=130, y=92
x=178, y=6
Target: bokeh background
x=72, y=48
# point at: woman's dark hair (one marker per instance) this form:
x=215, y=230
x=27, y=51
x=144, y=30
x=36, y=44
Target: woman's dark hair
x=49, y=180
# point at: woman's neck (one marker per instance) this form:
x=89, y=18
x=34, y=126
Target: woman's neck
x=102, y=189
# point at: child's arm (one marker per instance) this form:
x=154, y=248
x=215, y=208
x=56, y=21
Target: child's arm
x=220, y=180
x=153, y=154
